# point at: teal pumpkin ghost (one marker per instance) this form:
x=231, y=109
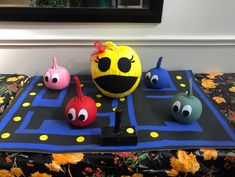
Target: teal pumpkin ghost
x=185, y=107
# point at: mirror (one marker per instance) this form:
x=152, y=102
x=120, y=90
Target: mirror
x=82, y=10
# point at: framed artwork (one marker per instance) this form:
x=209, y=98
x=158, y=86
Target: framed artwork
x=142, y=11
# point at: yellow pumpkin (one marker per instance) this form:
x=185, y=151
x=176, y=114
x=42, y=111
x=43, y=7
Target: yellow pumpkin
x=115, y=70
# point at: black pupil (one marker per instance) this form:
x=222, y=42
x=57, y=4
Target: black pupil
x=70, y=116
x=186, y=113
x=54, y=80
x=104, y=64
x=175, y=108
x=124, y=64
x=46, y=78
x=81, y=117
x=147, y=77
x=154, y=80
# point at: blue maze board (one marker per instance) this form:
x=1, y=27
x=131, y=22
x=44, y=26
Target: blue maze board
x=36, y=122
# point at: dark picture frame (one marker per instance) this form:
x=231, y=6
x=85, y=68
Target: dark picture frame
x=153, y=14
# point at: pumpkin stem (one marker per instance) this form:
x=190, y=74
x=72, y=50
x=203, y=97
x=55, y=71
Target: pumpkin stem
x=159, y=62
x=79, y=90
x=54, y=63
x=190, y=88
x=111, y=45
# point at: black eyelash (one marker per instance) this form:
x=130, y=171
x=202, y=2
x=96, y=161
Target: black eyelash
x=132, y=59
x=97, y=60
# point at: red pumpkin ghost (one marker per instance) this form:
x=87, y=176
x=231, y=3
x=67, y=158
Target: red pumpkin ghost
x=80, y=110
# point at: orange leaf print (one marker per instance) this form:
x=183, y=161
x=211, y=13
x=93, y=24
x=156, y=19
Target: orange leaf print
x=213, y=75
x=6, y=173
x=63, y=159
x=232, y=89
x=219, y=99
x=37, y=174
x=172, y=172
x=54, y=167
x=208, y=83
x=17, y=171
x=186, y=163
x=12, y=79
x=209, y=154
x=137, y=175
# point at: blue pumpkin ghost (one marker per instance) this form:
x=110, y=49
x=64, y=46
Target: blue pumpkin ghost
x=157, y=78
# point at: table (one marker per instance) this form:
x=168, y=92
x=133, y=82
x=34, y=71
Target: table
x=202, y=161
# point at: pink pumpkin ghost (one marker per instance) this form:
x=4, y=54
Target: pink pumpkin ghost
x=56, y=77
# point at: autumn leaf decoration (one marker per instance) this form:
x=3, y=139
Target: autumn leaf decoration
x=63, y=159
x=185, y=163
x=208, y=84
x=209, y=154
x=13, y=172
x=37, y=174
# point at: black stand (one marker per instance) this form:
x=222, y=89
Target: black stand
x=118, y=136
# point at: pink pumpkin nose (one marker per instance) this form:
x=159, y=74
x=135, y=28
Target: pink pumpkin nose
x=56, y=77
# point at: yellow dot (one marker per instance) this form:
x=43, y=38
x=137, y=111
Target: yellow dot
x=17, y=118
x=39, y=84
x=5, y=135
x=80, y=139
x=154, y=134
x=182, y=85
x=130, y=130
x=122, y=99
x=98, y=105
x=32, y=93
x=99, y=96
x=43, y=137
x=82, y=85
x=114, y=109
x=26, y=104
x=179, y=77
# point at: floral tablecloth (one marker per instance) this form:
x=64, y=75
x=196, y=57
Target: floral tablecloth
x=183, y=162
x=220, y=88
x=10, y=84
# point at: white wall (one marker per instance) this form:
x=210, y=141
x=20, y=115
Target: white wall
x=194, y=34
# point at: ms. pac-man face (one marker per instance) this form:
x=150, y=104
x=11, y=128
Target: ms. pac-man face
x=157, y=77
x=185, y=107
x=116, y=70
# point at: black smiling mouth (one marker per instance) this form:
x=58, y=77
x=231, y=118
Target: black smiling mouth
x=116, y=83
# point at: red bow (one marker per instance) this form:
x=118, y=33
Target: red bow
x=100, y=49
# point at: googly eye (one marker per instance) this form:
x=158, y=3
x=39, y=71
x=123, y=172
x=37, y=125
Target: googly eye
x=176, y=106
x=72, y=114
x=154, y=79
x=187, y=110
x=47, y=76
x=82, y=115
x=55, y=77
x=147, y=76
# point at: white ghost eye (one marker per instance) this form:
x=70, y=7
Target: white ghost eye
x=55, y=78
x=176, y=106
x=154, y=79
x=147, y=75
x=82, y=115
x=187, y=110
x=47, y=76
x=72, y=114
